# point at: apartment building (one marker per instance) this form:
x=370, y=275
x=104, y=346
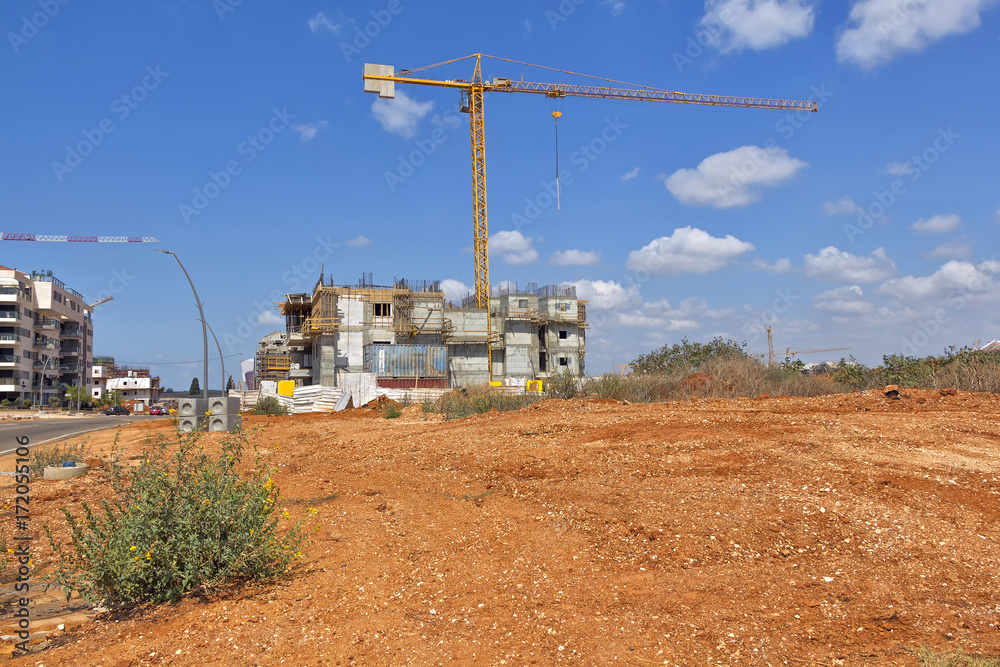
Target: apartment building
x=409, y=335
x=133, y=383
x=46, y=337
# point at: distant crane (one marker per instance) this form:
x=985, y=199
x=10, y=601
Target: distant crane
x=8, y=236
x=382, y=79
x=789, y=352
x=104, y=300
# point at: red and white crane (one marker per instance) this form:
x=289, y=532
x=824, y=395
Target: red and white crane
x=10, y=236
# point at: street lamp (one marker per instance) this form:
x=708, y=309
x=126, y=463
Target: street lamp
x=204, y=325
x=221, y=361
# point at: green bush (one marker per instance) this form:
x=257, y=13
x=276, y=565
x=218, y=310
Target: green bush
x=391, y=411
x=269, y=405
x=477, y=400
x=5, y=403
x=687, y=356
x=966, y=369
x=564, y=385
x=178, y=521
x=55, y=455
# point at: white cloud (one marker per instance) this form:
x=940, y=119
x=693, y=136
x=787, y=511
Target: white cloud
x=687, y=250
x=639, y=319
x=513, y=247
x=900, y=168
x=358, y=242
x=321, y=22
x=783, y=265
x=841, y=266
x=629, y=175
x=937, y=224
x=617, y=6
x=725, y=180
x=843, y=205
x=269, y=317
x=308, y=131
x=401, y=114
x=954, y=275
x=688, y=308
x=883, y=29
x=605, y=294
x=756, y=24
x=957, y=249
x=844, y=301
x=455, y=290
x=575, y=258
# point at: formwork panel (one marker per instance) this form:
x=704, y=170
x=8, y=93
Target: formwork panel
x=407, y=361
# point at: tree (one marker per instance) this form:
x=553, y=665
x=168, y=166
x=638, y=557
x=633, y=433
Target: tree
x=54, y=402
x=77, y=394
x=229, y=385
x=195, y=388
x=113, y=397
x=687, y=356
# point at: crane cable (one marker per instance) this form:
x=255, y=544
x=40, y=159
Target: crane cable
x=555, y=115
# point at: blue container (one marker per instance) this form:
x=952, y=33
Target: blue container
x=406, y=361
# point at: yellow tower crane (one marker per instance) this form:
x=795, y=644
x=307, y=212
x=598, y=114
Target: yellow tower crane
x=381, y=79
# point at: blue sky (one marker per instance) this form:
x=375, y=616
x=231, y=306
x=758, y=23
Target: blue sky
x=238, y=134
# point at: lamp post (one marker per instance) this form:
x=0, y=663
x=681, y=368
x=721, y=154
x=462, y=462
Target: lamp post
x=221, y=361
x=201, y=313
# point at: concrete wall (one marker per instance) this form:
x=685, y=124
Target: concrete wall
x=467, y=366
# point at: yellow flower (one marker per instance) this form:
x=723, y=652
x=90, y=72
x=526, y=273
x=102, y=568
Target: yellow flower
x=298, y=555
x=149, y=556
x=209, y=412
x=251, y=531
x=314, y=510
x=286, y=515
x=132, y=548
x=137, y=559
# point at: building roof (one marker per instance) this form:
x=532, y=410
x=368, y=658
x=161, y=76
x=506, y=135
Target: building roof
x=992, y=346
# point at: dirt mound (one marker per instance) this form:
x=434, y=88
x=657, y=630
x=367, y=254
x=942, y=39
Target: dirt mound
x=838, y=530
x=695, y=381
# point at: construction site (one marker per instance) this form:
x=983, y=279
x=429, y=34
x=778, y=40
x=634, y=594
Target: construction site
x=407, y=335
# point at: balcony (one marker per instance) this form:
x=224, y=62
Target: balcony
x=72, y=332
x=44, y=344
x=8, y=294
x=9, y=359
x=8, y=339
x=69, y=369
x=9, y=316
x=46, y=323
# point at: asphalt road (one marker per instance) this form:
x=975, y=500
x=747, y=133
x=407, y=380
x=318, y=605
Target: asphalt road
x=43, y=431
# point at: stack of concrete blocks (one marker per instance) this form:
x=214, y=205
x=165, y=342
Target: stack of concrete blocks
x=191, y=414
x=224, y=413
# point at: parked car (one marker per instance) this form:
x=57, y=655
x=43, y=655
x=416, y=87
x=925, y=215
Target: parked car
x=117, y=410
x=157, y=410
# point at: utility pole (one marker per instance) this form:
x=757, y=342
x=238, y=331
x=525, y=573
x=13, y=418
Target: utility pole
x=201, y=314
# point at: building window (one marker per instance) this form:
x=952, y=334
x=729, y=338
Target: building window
x=563, y=307
x=522, y=303
x=383, y=309
x=563, y=334
x=563, y=361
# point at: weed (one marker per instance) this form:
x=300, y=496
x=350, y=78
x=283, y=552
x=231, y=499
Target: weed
x=180, y=520
x=928, y=658
x=55, y=455
x=269, y=405
x=391, y=411
x=476, y=400
x=427, y=406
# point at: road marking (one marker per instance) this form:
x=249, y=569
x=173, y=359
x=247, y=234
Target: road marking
x=63, y=437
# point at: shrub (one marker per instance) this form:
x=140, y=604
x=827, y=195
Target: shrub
x=5, y=403
x=687, y=356
x=928, y=658
x=178, y=521
x=427, y=406
x=391, y=411
x=269, y=405
x=564, y=385
x=55, y=455
x=476, y=400
x=966, y=369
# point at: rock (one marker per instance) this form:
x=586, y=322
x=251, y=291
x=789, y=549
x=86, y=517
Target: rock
x=921, y=400
x=892, y=391
x=762, y=397
x=948, y=392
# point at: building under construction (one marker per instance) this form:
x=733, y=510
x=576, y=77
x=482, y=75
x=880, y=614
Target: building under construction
x=409, y=336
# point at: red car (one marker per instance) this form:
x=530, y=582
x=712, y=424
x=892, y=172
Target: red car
x=157, y=410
